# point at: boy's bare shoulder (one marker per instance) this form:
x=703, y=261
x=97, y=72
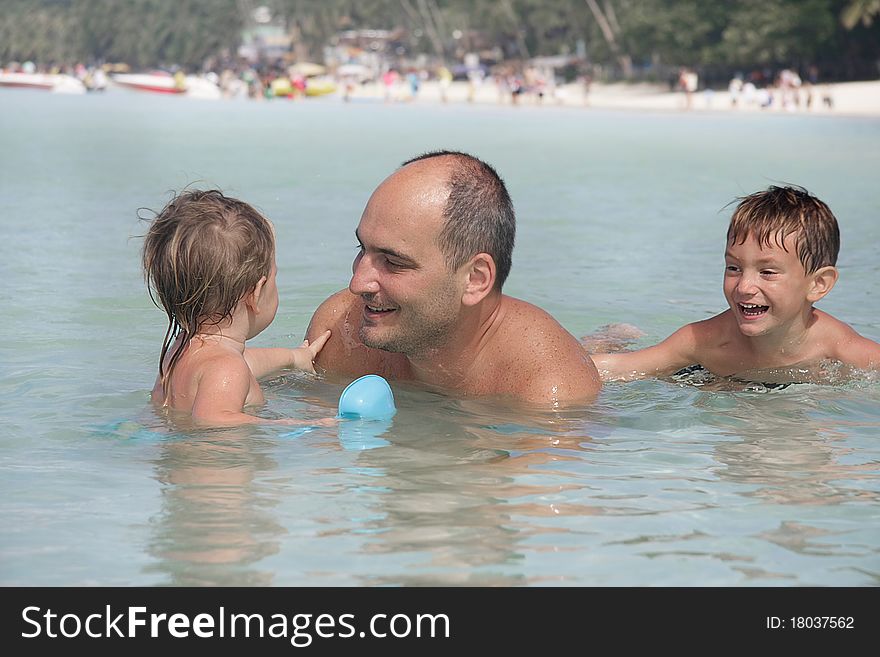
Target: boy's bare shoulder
x=712, y=333
x=842, y=342
x=701, y=343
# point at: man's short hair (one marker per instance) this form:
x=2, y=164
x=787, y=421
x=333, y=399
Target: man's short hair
x=479, y=216
x=777, y=212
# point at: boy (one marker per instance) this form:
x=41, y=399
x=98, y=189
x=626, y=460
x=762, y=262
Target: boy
x=782, y=247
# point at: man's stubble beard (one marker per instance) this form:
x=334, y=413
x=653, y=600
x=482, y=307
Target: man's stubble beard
x=425, y=332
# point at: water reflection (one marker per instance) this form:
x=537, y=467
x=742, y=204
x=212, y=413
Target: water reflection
x=214, y=526
x=790, y=446
x=454, y=499
x=792, y=453
x=467, y=493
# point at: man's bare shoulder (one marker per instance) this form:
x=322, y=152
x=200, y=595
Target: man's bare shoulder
x=522, y=317
x=344, y=352
x=541, y=359
x=331, y=312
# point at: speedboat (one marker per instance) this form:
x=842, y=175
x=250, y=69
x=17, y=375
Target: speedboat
x=165, y=83
x=56, y=82
x=156, y=81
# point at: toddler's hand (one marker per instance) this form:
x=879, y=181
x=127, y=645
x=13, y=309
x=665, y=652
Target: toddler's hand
x=304, y=355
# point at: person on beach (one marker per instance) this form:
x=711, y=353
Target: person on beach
x=424, y=303
x=782, y=246
x=209, y=262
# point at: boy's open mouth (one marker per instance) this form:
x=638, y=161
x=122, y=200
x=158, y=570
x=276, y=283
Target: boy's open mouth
x=752, y=309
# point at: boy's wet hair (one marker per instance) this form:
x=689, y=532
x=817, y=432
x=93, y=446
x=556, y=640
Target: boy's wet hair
x=204, y=252
x=479, y=215
x=775, y=213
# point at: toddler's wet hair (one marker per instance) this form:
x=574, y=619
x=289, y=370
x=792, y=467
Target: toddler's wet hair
x=203, y=253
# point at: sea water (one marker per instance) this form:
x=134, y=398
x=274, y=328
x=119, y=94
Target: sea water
x=621, y=218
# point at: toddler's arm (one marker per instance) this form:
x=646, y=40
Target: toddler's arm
x=266, y=360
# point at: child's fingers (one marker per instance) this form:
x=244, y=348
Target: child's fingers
x=319, y=342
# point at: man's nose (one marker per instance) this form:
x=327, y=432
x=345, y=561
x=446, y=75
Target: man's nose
x=363, y=276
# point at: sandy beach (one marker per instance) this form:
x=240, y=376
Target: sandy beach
x=849, y=98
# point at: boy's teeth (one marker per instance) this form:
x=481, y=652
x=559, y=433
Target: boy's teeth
x=753, y=308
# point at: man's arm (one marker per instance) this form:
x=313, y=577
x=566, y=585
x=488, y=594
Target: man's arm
x=667, y=357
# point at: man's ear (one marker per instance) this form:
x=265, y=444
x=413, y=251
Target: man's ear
x=481, y=274
x=252, y=300
x=822, y=280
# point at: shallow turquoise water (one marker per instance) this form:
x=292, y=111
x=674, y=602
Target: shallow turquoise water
x=620, y=219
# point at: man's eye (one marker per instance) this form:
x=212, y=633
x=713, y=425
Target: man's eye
x=731, y=268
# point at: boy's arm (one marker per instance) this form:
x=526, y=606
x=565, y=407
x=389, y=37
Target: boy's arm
x=667, y=357
x=266, y=360
x=222, y=392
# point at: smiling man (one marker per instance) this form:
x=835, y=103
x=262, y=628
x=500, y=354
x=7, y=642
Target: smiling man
x=425, y=302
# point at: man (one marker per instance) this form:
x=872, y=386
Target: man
x=425, y=302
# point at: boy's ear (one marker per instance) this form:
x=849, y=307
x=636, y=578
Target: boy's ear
x=823, y=280
x=252, y=300
x=481, y=273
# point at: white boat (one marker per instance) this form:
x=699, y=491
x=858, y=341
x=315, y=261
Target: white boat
x=165, y=83
x=156, y=82
x=55, y=82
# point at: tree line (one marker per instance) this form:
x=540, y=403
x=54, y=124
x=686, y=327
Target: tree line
x=626, y=38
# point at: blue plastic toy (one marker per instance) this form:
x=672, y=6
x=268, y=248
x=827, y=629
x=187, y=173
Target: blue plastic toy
x=367, y=398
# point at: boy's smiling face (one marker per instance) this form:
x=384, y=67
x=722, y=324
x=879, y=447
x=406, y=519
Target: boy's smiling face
x=767, y=287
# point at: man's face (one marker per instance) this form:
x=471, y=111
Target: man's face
x=411, y=299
